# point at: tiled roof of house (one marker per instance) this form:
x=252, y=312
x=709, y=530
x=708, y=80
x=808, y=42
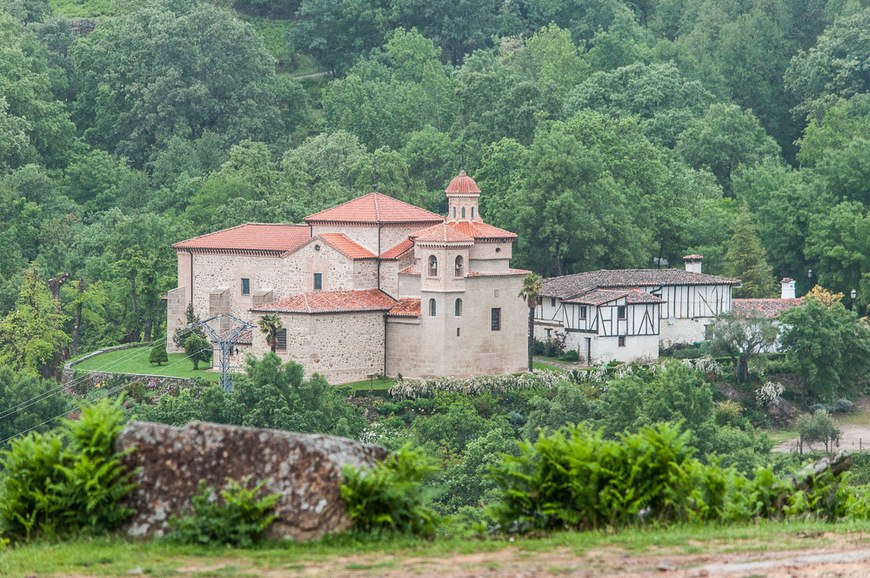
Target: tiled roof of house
x=504, y=273
x=398, y=250
x=441, y=233
x=408, y=307
x=571, y=285
x=374, y=209
x=409, y=271
x=347, y=247
x=602, y=296
x=263, y=237
x=477, y=230
x=330, y=302
x=462, y=185
x=244, y=338
x=769, y=307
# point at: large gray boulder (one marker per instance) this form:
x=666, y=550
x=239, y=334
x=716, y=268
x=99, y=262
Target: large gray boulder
x=305, y=469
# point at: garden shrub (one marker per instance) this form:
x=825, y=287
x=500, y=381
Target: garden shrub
x=576, y=479
x=158, y=355
x=238, y=518
x=66, y=481
x=570, y=356
x=389, y=497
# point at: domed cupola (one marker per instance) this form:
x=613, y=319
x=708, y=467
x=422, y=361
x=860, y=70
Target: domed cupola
x=463, y=195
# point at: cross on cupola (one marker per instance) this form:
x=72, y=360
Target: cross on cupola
x=463, y=196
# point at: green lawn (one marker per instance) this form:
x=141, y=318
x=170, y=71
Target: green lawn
x=136, y=361
x=546, y=366
x=117, y=557
x=366, y=385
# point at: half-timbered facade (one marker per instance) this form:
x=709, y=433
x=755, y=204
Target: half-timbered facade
x=625, y=315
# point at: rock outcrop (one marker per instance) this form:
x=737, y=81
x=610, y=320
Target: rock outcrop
x=305, y=469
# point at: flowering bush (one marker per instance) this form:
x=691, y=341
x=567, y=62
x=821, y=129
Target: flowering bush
x=767, y=393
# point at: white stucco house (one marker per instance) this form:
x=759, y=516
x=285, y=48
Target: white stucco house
x=625, y=315
x=371, y=286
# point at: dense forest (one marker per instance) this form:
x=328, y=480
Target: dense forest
x=605, y=133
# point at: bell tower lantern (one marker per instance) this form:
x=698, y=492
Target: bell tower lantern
x=463, y=195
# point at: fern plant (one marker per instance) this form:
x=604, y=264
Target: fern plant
x=240, y=518
x=67, y=481
x=389, y=497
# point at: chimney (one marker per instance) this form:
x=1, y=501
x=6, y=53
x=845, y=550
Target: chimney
x=787, y=288
x=693, y=263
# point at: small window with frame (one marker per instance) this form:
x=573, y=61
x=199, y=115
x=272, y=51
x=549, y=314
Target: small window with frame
x=281, y=340
x=621, y=339
x=620, y=312
x=495, y=320
x=582, y=313
x=318, y=281
x=246, y=286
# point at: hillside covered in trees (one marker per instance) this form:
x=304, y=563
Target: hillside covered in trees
x=606, y=134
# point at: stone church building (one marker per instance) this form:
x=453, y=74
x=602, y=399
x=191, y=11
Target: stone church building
x=371, y=286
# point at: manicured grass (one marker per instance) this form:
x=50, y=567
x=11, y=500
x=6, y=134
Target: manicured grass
x=366, y=385
x=136, y=361
x=117, y=557
x=546, y=366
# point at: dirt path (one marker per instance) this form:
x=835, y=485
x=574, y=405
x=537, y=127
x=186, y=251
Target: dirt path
x=854, y=437
x=843, y=555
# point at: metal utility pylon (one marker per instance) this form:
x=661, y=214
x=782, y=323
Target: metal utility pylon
x=224, y=342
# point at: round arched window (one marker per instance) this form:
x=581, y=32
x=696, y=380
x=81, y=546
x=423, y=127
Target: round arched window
x=459, y=269
x=457, y=308
x=433, y=266
x=432, y=308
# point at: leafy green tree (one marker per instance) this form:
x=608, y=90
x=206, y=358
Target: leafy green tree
x=32, y=335
x=158, y=355
x=334, y=33
x=197, y=350
x=838, y=244
x=658, y=94
x=818, y=427
x=742, y=338
x=174, y=68
x=746, y=260
x=28, y=402
x=829, y=346
x=725, y=138
x=834, y=69
x=30, y=107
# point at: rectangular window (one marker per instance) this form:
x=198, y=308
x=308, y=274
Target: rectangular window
x=582, y=312
x=496, y=319
x=281, y=341
x=622, y=340
x=246, y=286
x=552, y=301
x=620, y=312
x=318, y=281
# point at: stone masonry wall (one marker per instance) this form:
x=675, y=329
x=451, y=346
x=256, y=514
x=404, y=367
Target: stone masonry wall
x=342, y=347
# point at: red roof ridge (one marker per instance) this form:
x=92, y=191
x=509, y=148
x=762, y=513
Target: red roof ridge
x=398, y=250
x=331, y=302
x=346, y=246
x=441, y=233
x=249, y=237
x=374, y=208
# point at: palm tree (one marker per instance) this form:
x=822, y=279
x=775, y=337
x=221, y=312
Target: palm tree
x=270, y=325
x=531, y=293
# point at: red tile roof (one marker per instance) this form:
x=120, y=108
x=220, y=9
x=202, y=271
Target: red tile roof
x=477, y=230
x=770, y=308
x=330, y=302
x=261, y=237
x=409, y=307
x=410, y=271
x=462, y=185
x=441, y=233
x=374, y=209
x=347, y=247
x=398, y=250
